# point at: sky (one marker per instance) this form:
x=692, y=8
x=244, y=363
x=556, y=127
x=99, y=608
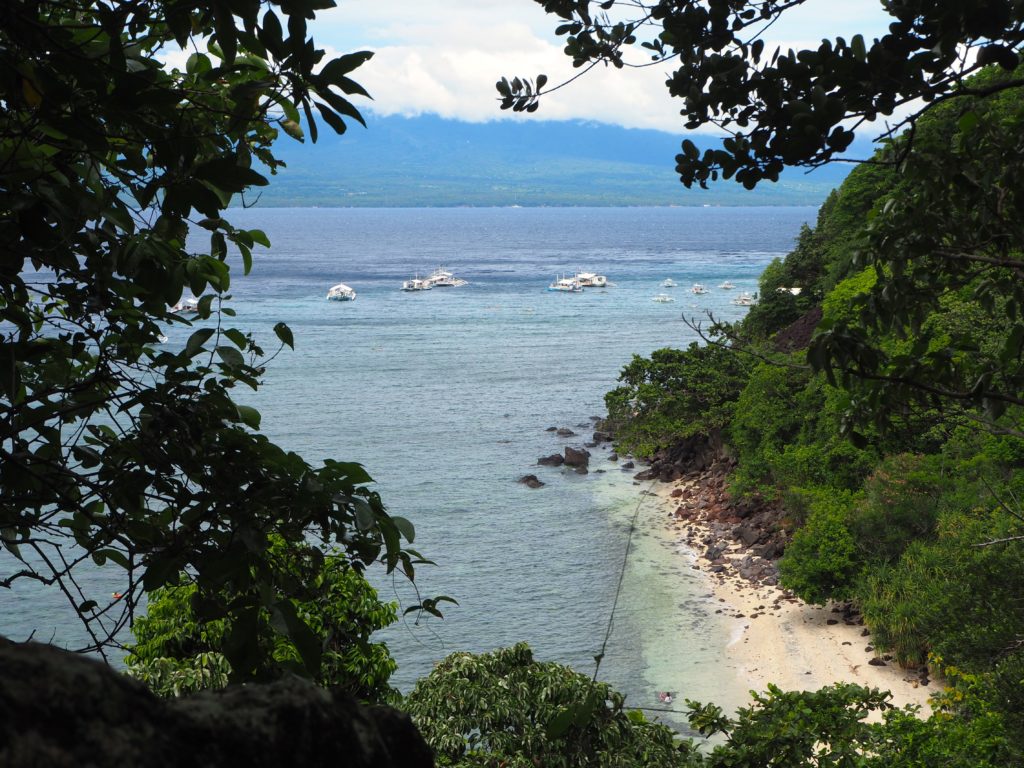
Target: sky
x=443, y=57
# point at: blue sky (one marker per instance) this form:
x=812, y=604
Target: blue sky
x=444, y=56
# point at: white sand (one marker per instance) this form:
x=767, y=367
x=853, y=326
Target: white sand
x=782, y=640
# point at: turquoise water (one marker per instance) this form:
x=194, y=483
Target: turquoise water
x=445, y=397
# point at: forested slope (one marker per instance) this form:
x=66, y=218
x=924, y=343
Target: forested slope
x=879, y=405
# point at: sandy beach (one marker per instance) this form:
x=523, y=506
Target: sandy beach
x=778, y=638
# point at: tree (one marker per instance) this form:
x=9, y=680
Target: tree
x=674, y=394
x=506, y=709
x=113, y=449
x=175, y=654
x=830, y=727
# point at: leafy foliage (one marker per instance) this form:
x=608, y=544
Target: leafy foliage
x=506, y=709
x=946, y=249
x=830, y=727
x=822, y=560
x=113, y=449
x=176, y=654
x=674, y=394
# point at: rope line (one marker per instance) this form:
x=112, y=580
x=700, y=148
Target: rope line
x=618, y=587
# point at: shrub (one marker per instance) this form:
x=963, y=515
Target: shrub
x=822, y=563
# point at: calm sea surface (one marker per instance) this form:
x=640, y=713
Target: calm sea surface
x=445, y=397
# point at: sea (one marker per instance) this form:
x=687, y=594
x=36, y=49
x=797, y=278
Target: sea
x=447, y=396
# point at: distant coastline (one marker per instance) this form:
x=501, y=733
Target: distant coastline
x=427, y=161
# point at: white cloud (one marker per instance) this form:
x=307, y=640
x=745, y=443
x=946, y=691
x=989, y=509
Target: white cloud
x=444, y=56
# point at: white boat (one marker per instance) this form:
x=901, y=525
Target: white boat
x=341, y=292
x=726, y=286
x=669, y=283
x=590, y=280
x=566, y=285
x=416, y=284
x=744, y=300
x=662, y=298
x=187, y=306
x=442, y=278
x=698, y=289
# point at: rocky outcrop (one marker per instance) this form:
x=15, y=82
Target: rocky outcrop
x=743, y=536
x=798, y=335
x=739, y=535
x=554, y=460
x=62, y=710
x=577, y=458
x=531, y=481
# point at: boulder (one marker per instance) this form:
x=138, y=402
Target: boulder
x=746, y=534
x=554, y=460
x=576, y=457
x=628, y=465
x=63, y=710
x=601, y=437
x=564, y=432
x=531, y=481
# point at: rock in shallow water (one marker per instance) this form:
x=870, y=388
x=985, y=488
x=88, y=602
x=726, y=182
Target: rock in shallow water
x=531, y=481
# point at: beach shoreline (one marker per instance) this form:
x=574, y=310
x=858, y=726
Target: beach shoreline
x=776, y=637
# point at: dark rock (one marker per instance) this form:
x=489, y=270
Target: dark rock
x=746, y=534
x=714, y=552
x=551, y=429
x=613, y=456
x=564, y=432
x=628, y=465
x=877, y=662
x=575, y=457
x=62, y=710
x=532, y=481
x=602, y=437
x=830, y=622
x=554, y=460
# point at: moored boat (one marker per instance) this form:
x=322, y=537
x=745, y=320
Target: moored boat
x=187, y=306
x=416, y=284
x=590, y=280
x=698, y=289
x=662, y=298
x=341, y=292
x=668, y=282
x=442, y=278
x=566, y=285
x=726, y=286
x=744, y=300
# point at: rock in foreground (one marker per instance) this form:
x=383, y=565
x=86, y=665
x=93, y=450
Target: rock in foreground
x=61, y=710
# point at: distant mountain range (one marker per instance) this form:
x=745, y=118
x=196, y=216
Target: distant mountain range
x=430, y=161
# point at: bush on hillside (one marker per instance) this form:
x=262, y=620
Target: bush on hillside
x=822, y=561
